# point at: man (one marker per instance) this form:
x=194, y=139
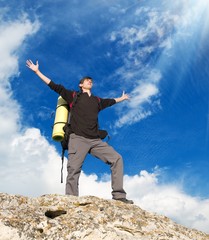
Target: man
x=85, y=137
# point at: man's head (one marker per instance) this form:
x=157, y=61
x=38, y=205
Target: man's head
x=86, y=83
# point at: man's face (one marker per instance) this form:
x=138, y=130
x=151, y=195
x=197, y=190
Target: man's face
x=87, y=84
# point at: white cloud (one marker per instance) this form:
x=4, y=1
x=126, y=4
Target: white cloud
x=145, y=93
x=89, y=185
x=12, y=35
x=31, y=165
x=132, y=116
x=142, y=94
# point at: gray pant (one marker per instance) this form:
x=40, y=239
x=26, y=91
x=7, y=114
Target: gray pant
x=78, y=148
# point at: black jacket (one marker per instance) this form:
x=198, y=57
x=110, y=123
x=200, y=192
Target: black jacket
x=84, y=114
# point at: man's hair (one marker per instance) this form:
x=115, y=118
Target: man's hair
x=82, y=80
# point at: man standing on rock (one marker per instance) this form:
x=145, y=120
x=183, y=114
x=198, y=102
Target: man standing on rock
x=85, y=138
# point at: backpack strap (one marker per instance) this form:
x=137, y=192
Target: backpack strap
x=99, y=103
x=62, y=158
x=75, y=97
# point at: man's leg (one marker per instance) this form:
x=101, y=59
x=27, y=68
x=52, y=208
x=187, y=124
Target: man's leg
x=77, y=151
x=107, y=154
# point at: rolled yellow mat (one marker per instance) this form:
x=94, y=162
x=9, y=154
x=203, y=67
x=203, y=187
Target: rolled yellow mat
x=61, y=118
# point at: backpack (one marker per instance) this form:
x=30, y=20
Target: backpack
x=67, y=129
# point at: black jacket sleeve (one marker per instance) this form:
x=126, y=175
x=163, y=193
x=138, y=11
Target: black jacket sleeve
x=62, y=91
x=107, y=102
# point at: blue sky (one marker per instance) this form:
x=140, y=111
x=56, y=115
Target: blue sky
x=156, y=52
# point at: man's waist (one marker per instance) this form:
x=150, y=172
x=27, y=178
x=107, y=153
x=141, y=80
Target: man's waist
x=92, y=134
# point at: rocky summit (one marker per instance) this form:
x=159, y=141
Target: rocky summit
x=58, y=217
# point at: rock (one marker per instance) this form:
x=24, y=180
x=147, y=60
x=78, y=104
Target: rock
x=58, y=217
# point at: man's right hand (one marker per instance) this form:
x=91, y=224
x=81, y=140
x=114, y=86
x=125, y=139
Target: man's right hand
x=32, y=66
x=35, y=68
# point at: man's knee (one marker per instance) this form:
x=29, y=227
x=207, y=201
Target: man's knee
x=115, y=160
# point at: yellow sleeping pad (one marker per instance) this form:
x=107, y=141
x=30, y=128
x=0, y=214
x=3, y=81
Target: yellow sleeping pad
x=61, y=118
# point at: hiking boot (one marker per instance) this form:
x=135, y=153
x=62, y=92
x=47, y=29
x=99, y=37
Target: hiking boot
x=124, y=200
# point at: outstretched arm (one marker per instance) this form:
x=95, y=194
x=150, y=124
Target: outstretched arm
x=35, y=69
x=122, y=98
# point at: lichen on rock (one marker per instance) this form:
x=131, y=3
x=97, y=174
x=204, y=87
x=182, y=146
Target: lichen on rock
x=52, y=217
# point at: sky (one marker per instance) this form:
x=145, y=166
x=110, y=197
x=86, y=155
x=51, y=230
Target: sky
x=157, y=52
